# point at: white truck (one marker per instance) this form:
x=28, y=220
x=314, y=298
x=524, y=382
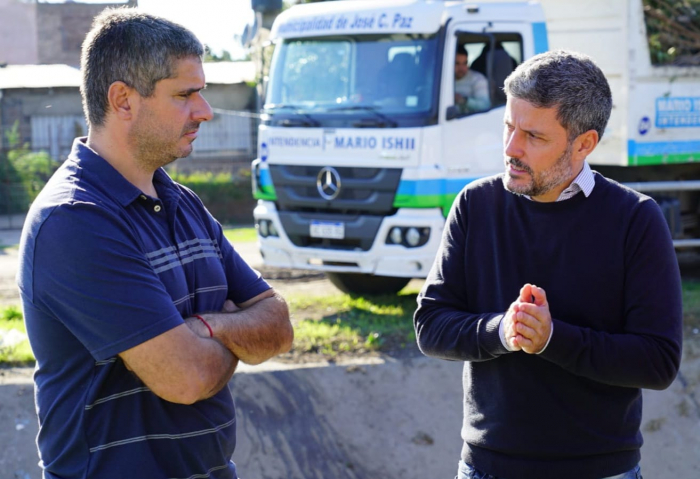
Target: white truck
x=362, y=150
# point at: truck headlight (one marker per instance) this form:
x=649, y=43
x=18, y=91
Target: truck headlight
x=408, y=236
x=412, y=237
x=263, y=228
x=266, y=228
x=396, y=236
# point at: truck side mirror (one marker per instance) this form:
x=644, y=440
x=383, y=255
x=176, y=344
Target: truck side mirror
x=452, y=112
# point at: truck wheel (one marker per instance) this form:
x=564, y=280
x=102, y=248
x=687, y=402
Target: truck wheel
x=367, y=284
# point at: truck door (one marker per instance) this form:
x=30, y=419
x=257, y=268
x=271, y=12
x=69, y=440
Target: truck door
x=473, y=129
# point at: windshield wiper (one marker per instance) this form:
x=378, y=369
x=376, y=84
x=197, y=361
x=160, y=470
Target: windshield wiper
x=387, y=121
x=309, y=121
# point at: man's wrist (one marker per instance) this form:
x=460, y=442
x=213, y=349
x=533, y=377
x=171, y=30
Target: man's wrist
x=502, y=334
x=204, y=321
x=551, y=332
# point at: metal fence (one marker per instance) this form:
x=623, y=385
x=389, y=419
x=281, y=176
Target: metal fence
x=226, y=143
x=228, y=131
x=55, y=134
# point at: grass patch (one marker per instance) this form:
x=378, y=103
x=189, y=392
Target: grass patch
x=339, y=324
x=241, y=235
x=5, y=247
x=11, y=326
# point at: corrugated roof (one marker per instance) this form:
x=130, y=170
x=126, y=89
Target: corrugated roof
x=48, y=76
x=39, y=76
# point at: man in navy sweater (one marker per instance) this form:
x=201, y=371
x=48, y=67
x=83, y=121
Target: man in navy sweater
x=558, y=287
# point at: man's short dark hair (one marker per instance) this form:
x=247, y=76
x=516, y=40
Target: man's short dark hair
x=569, y=81
x=136, y=48
x=462, y=51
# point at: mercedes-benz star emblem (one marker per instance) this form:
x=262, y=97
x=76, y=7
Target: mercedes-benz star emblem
x=328, y=183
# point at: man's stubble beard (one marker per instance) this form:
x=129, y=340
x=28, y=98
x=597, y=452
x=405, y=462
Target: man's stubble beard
x=544, y=181
x=153, y=146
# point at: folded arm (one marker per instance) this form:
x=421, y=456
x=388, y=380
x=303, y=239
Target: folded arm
x=181, y=366
x=257, y=331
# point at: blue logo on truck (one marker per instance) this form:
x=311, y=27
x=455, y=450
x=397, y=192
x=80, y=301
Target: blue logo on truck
x=678, y=112
x=644, y=125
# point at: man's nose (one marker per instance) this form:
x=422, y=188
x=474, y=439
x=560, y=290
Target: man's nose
x=512, y=144
x=202, y=111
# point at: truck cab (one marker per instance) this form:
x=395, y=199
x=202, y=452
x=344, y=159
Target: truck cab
x=363, y=147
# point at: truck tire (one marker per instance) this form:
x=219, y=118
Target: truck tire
x=358, y=284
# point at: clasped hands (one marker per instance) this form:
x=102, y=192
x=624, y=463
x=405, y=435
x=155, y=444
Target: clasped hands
x=528, y=323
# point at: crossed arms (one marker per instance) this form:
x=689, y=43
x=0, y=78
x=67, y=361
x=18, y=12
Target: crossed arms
x=185, y=365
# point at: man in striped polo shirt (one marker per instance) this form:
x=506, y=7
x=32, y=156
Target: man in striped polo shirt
x=137, y=307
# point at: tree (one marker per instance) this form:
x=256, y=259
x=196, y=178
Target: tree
x=210, y=56
x=673, y=31
x=23, y=173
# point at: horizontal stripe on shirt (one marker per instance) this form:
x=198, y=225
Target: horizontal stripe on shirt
x=151, y=437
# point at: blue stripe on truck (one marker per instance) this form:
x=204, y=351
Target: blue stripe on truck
x=539, y=34
x=662, y=147
x=433, y=187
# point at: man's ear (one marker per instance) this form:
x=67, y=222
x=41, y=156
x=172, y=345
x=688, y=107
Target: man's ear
x=584, y=144
x=121, y=100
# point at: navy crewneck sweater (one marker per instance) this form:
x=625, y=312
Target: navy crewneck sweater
x=609, y=270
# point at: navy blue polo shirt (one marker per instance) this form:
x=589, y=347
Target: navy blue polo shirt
x=104, y=268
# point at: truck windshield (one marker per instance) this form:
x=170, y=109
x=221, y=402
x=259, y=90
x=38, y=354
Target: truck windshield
x=388, y=74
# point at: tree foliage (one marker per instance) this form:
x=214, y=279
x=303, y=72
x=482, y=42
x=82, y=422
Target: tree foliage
x=673, y=31
x=229, y=199
x=210, y=56
x=23, y=173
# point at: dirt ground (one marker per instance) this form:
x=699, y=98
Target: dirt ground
x=370, y=417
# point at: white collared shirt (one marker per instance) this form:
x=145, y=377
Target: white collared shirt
x=584, y=181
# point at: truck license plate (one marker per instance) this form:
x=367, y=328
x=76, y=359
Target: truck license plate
x=327, y=229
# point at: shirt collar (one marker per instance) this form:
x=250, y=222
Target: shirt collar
x=584, y=181
x=109, y=178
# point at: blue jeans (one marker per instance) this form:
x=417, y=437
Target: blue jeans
x=468, y=472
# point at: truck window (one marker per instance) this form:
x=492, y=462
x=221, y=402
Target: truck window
x=310, y=64
x=393, y=73
x=506, y=56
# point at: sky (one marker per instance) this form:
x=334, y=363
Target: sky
x=215, y=22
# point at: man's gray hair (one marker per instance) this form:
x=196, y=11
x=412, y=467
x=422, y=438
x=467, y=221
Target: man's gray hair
x=136, y=48
x=569, y=81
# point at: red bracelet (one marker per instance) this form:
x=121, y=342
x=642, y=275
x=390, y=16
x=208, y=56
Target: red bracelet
x=211, y=333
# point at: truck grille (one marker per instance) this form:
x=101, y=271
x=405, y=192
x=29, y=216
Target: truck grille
x=366, y=196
